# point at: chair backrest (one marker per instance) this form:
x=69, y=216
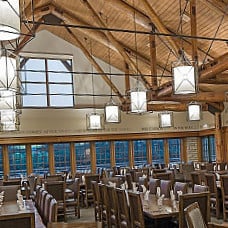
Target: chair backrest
x=203, y=200
x=123, y=208
x=180, y=186
x=196, y=178
x=129, y=180
x=89, y=178
x=200, y=188
x=163, y=176
x=75, y=187
x=57, y=177
x=193, y=216
x=210, y=181
x=52, y=211
x=32, y=180
x=45, y=215
x=56, y=189
x=42, y=202
x=224, y=187
x=37, y=195
x=143, y=181
x=153, y=184
x=136, y=210
x=166, y=186
x=10, y=192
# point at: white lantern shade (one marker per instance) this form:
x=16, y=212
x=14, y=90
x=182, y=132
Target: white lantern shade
x=138, y=101
x=184, y=79
x=94, y=121
x=165, y=119
x=8, y=73
x=7, y=99
x=112, y=113
x=9, y=20
x=9, y=120
x=194, y=112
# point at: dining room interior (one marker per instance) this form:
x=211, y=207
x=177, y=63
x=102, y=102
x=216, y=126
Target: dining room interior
x=113, y=113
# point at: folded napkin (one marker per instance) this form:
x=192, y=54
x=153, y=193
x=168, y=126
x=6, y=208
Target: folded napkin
x=122, y=186
x=143, y=188
x=2, y=193
x=146, y=195
x=83, y=179
x=144, y=175
x=158, y=194
x=112, y=184
x=133, y=184
x=160, y=200
x=179, y=193
x=172, y=196
x=217, y=176
x=126, y=185
x=218, y=167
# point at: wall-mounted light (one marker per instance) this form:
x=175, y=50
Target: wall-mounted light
x=165, y=119
x=194, y=111
x=95, y=121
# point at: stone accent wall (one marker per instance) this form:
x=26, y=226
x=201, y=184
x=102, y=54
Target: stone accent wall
x=192, y=149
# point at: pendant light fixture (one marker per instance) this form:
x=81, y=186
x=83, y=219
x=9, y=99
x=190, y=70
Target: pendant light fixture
x=138, y=94
x=165, y=119
x=194, y=111
x=94, y=120
x=9, y=19
x=112, y=110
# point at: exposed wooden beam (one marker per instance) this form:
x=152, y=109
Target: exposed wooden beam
x=160, y=26
x=96, y=65
x=113, y=40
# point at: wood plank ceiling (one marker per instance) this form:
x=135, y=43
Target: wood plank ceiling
x=145, y=37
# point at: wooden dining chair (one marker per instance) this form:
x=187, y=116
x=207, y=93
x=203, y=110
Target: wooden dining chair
x=57, y=190
x=136, y=210
x=166, y=186
x=96, y=200
x=123, y=209
x=180, y=186
x=46, y=210
x=153, y=184
x=215, y=201
x=196, y=179
x=113, y=208
x=203, y=200
x=224, y=189
x=129, y=181
x=200, y=188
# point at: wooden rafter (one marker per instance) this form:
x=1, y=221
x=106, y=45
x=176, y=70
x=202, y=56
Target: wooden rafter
x=116, y=44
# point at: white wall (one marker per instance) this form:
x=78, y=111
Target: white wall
x=71, y=121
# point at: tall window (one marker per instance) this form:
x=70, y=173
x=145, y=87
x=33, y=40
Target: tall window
x=103, y=154
x=62, y=157
x=40, y=158
x=1, y=162
x=47, y=82
x=174, y=150
x=208, y=148
x=83, y=158
x=17, y=160
x=158, y=151
x=140, y=157
x=121, y=153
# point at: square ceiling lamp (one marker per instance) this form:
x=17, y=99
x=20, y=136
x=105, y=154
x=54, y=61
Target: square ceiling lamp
x=184, y=76
x=194, y=111
x=9, y=120
x=112, y=112
x=9, y=19
x=165, y=119
x=95, y=121
x=138, y=101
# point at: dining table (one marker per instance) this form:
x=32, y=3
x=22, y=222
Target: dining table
x=11, y=213
x=163, y=209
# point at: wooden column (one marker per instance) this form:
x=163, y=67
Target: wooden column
x=153, y=80
x=6, y=168
x=131, y=154
x=93, y=157
x=51, y=158
x=199, y=149
x=72, y=159
x=166, y=152
x=29, y=159
x=112, y=154
x=184, y=156
x=149, y=151
x=218, y=137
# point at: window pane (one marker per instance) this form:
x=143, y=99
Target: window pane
x=208, y=148
x=121, y=153
x=174, y=150
x=34, y=64
x=83, y=158
x=103, y=154
x=140, y=152
x=64, y=77
x=17, y=160
x=35, y=100
x=40, y=158
x=61, y=101
x=57, y=65
x=212, y=148
x=1, y=162
x=62, y=157
x=35, y=88
x=158, y=151
x=33, y=77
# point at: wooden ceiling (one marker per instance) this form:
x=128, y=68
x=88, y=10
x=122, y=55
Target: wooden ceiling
x=144, y=37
